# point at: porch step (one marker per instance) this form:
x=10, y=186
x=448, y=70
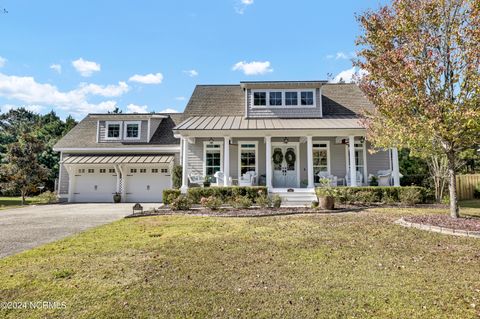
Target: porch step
x=300, y=197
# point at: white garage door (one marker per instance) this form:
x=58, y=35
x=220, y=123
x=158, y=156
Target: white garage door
x=95, y=184
x=146, y=184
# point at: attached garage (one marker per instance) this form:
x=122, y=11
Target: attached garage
x=138, y=178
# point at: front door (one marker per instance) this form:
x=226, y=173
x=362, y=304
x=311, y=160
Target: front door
x=285, y=166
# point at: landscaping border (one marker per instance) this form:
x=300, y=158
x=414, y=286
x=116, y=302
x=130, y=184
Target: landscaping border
x=437, y=229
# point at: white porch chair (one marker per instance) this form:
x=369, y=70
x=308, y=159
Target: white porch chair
x=333, y=179
x=195, y=178
x=220, y=177
x=384, y=177
x=247, y=179
x=359, y=178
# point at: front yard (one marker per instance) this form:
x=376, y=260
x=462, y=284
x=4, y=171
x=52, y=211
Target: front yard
x=327, y=266
x=13, y=202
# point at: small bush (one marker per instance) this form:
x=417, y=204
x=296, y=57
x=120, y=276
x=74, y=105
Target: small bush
x=48, y=197
x=182, y=202
x=242, y=202
x=314, y=204
x=177, y=176
x=276, y=201
x=366, y=197
x=264, y=201
x=226, y=194
x=476, y=191
x=374, y=181
x=410, y=196
x=169, y=195
x=211, y=202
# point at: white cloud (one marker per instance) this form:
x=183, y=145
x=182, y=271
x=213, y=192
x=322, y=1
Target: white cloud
x=133, y=108
x=348, y=76
x=168, y=110
x=191, y=73
x=106, y=91
x=86, y=68
x=180, y=98
x=56, y=67
x=3, y=61
x=242, y=5
x=253, y=68
x=30, y=92
x=151, y=78
x=341, y=56
x=32, y=107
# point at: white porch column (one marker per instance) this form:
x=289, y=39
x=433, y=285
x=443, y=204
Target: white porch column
x=71, y=183
x=184, y=166
x=311, y=183
x=395, y=167
x=226, y=162
x=353, y=168
x=268, y=160
x=122, y=172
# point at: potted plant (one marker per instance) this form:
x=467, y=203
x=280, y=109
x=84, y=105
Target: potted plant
x=207, y=181
x=117, y=198
x=326, y=199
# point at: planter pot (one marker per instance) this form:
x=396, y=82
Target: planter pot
x=117, y=198
x=326, y=202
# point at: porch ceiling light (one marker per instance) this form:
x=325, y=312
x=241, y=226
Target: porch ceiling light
x=285, y=140
x=211, y=140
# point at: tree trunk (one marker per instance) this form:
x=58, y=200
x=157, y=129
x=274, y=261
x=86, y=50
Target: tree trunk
x=23, y=197
x=454, y=211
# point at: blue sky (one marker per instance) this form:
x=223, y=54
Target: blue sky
x=77, y=57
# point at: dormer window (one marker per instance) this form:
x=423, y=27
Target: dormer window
x=307, y=98
x=291, y=98
x=132, y=130
x=259, y=98
x=275, y=99
x=113, y=130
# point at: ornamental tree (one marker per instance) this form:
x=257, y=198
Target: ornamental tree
x=422, y=63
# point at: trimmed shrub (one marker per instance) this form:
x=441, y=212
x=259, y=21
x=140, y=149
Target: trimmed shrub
x=226, y=194
x=211, y=202
x=177, y=176
x=182, y=202
x=276, y=201
x=385, y=195
x=314, y=204
x=476, y=191
x=48, y=197
x=242, y=202
x=169, y=195
x=264, y=201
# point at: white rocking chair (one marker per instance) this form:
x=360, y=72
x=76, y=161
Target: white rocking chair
x=195, y=178
x=247, y=179
x=384, y=177
x=220, y=177
x=326, y=175
x=359, y=178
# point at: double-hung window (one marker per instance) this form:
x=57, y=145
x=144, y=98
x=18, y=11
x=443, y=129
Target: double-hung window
x=291, y=98
x=275, y=99
x=259, y=98
x=320, y=160
x=132, y=130
x=306, y=98
x=248, y=157
x=212, y=158
x=113, y=130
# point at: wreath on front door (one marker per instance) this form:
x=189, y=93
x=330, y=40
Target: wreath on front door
x=277, y=157
x=290, y=157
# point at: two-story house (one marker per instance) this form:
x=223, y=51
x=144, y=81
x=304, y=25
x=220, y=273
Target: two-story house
x=285, y=135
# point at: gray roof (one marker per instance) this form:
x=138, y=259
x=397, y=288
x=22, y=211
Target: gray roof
x=241, y=123
x=84, y=134
x=229, y=100
x=119, y=159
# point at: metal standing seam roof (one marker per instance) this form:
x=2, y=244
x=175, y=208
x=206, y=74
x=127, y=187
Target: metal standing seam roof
x=118, y=159
x=241, y=123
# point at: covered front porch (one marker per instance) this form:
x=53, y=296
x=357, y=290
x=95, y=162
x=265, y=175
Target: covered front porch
x=284, y=161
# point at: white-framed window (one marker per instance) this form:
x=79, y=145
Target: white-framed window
x=259, y=98
x=287, y=98
x=132, y=130
x=81, y=171
x=91, y=170
x=111, y=170
x=164, y=170
x=143, y=170
x=247, y=157
x=154, y=170
x=360, y=158
x=133, y=170
x=321, y=158
x=113, y=130
x=103, y=170
x=212, y=158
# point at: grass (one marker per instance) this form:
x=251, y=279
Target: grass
x=14, y=202
x=312, y=266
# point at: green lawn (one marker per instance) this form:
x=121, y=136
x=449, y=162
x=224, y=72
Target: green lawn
x=312, y=266
x=13, y=202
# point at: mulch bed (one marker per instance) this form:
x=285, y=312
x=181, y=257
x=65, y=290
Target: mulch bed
x=253, y=212
x=445, y=221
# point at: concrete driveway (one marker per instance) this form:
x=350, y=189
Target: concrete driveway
x=32, y=226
